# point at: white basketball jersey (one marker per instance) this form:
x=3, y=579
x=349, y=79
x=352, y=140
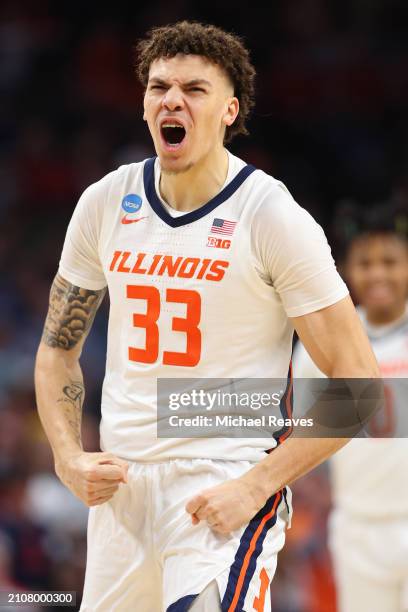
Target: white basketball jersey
x=370, y=476
x=200, y=294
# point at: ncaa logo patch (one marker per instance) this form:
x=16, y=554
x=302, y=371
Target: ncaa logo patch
x=131, y=203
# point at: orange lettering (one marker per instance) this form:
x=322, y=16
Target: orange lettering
x=169, y=266
x=136, y=268
x=183, y=272
x=204, y=265
x=259, y=602
x=114, y=260
x=121, y=266
x=217, y=270
x=147, y=321
x=156, y=259
x=189, y=325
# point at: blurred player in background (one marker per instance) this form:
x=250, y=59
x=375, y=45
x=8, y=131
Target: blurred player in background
x=369, y=523
x=210, y=265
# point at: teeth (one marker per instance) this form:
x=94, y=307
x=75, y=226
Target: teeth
x=172, y=125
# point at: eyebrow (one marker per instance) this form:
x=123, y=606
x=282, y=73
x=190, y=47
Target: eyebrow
x=187, y=84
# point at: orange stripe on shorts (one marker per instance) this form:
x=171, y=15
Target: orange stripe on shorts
x=249, y=552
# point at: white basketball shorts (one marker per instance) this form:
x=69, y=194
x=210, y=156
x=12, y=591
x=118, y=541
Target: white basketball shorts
x=145, y=555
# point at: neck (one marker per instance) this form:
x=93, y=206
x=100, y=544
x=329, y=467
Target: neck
x=386, y=317
x=186, y=191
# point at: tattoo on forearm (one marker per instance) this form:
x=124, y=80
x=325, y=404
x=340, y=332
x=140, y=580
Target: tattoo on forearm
x=70, y=314
x=74, y=392
x=73, y=397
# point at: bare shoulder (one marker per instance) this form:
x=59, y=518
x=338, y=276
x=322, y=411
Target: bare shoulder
x=70, y=314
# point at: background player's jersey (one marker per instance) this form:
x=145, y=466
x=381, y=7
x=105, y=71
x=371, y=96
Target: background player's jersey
x=370, y=476
x=201, y=294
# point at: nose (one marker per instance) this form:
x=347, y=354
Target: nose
x=173, y=99
x=377, y=272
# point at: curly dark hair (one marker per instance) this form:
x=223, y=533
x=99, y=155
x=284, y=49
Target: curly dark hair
x=223, y=48
x=352, y=222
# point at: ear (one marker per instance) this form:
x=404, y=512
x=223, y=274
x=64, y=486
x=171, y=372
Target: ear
x=232, y=111
x=144, y=106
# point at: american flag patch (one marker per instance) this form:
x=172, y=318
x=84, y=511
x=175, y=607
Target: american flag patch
x=222, y=226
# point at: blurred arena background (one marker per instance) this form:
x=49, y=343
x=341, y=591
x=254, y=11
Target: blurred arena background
x=331, y=122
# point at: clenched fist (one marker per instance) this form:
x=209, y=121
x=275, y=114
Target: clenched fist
x=93, y=477
x=225, y=507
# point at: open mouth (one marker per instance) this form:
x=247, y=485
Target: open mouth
x=378, y=292
x=173, y=134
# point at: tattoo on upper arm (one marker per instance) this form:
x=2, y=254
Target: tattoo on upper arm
x=70, y=314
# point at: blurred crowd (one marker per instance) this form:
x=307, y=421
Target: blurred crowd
x=330, y=121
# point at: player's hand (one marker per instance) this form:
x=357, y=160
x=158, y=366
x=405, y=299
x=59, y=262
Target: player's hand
x=93, y=477
x=225, y=507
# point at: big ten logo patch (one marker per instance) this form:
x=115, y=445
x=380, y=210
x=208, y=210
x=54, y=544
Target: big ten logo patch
x=218, y=243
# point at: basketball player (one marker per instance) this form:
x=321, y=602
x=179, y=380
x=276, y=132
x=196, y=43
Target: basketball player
x=369, y=523
x=210, y=265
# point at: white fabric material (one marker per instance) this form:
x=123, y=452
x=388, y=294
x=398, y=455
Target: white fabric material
x=292, y=255
x=143, y=538
x=370, y=563
x=209, y=600
x=278, y=266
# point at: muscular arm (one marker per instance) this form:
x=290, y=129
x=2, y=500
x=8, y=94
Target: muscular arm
x=60, y=389
x=339, y=346
x=335, y=339
x=337, y=342
x=58, y=376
